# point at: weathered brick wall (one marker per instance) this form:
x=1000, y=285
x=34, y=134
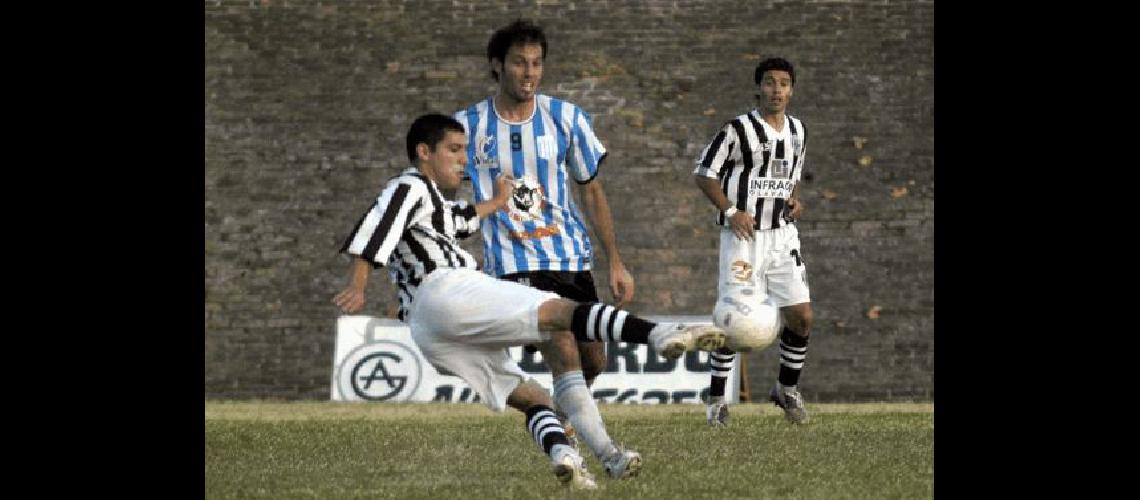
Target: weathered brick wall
x=307, y=106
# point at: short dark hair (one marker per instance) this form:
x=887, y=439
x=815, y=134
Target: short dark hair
x=430, y=129
x=776, y=63
x=519, y=31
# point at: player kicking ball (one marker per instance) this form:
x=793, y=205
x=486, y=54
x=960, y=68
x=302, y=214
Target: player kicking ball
x=464, y=320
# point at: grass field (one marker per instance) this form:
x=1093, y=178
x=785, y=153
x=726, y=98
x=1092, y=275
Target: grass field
x=454, y=451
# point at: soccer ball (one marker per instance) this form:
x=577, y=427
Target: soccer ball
x=749, y=323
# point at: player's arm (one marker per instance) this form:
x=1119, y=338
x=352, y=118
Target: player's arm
x=707, y=174
x=741, y=222
x=600, y=218
x=375, y=238
x=795, y=206
x=351, y=299
x=504, y=188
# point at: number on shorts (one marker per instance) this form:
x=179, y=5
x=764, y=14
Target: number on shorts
x=796, y=254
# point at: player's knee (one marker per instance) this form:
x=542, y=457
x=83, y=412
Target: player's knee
x=799, y=321
x=805, y=322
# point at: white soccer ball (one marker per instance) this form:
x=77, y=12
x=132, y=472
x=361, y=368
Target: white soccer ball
x=749, y=322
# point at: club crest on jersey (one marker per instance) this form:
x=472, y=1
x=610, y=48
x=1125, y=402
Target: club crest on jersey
x=485, y=152
x=741, y=270
x=527, y=201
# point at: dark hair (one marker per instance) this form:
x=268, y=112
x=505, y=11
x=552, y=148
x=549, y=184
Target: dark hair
x=429, y=129
x=777, y=63
x=519, y=31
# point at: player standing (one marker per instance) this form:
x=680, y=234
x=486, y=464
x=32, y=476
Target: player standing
x=543, y=142
x=750, y=172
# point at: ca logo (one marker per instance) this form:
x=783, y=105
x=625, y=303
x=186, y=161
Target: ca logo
x=379, y=371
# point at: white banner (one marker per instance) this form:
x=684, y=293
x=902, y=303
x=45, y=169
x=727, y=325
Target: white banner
x=377, y=360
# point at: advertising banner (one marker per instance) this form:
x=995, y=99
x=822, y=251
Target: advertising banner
x=377, y=360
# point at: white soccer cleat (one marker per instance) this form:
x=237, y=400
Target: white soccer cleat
x=671, y=340
x=570, y=469
x=622, y=463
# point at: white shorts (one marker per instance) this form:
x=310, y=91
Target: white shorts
x=464, y=321
x=771, y=263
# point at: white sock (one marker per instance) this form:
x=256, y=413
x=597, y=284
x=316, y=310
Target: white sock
x=574, y=398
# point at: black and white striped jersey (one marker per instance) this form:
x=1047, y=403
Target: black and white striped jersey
x=413, y=229
x=757, y=166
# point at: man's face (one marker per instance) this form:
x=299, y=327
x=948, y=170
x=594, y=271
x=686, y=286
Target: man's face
x=521, y=72
x=445, y=163
x=775, y=91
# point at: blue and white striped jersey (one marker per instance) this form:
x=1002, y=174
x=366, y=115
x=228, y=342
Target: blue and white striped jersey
x=542, y=229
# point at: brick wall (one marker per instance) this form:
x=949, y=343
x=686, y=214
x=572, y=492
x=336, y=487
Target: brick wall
x=307, y=106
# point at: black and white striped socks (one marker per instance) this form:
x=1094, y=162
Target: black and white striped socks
x=597, y=322
x=545, y=428
x=720, y=364
x=793, y=351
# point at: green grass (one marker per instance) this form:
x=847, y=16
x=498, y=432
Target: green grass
x=460, y=451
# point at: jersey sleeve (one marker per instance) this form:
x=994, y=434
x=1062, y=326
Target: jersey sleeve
x=717, y=153
x=586, y=151
x=378, y=232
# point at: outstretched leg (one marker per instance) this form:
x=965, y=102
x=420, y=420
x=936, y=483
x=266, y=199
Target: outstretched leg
x=597, y=322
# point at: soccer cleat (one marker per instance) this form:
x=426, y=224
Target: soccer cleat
x=622, y=463
x=717, y=414
x=792, y=402
x=671, y=340
x=571, y=470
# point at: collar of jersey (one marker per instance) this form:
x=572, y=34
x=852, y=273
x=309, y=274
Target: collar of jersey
x=508, y=122
x=416, y=171
x=760, y=119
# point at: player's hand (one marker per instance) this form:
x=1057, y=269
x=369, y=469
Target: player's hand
x=621, y=285
x=794, y=208
x=742, y=224
x=349, y=300
x=504, y=189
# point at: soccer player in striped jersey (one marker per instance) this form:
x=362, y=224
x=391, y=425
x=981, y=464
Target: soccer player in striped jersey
x=750, y=172
x=545, y=143
x=463, y=320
